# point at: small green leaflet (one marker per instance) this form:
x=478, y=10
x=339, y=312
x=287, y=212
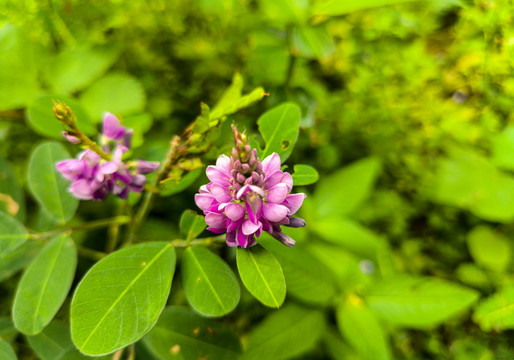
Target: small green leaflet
x=361, y=329
x=18, y=259
x=262, y=275
x=497, y=311
x=120, y=298
x=418, y=302
x=182, y=334
x=44, y=285
x=211, y=287
x=47, y=185
x=488, y=248
x=12, y=234
x=279, y=129
x=285, y=334
x=191, y=225
x=6, y=351
x=304, y=175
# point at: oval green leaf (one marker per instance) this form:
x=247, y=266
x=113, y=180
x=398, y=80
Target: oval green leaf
x=120, y=94
x=279, y=129
x=497, y=311
x=18, y=259
x=488, y=248
x=47, y=185
x=6, y=351
x=41, y=116
x=182, y=334
x=285, y=334
x=191, y=224
x=362, y=330
x=262, y=275
x=211, y=287
x=120, y=298
x=12, y=234
x=418, y=302
x=12, y=200
x=44, y=285
x=304, y=175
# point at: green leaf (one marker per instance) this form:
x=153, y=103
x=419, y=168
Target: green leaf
x=304, y=175
x=503, y=148
x=7, y=327
x=6, y=351
x=343, y=191
x=262, y=275
x=54, y=343
x=312, y=42
x=12, y=234
x=285, y=11
x=119, y=300
x=140, y=123
x=471, y=182
x=74, y=69
x=488, y=248
x=47, y=185
x=174, y=186
x=418, y=302
x=44, y=285
x=279, y=129
x=12, y=199
x=231, y=95
x=349, y=234
x=119, y=94
x=211, y=287
x=182, y=334
x=361, y=329
x=335, y=7
x=285, y=334
x=41, y=117
x=191, y=225
x=18, y=259
x=307, y=278
x=496, y=313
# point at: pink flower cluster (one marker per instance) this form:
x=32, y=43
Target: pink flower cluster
x=93, y=178
x=246, y=196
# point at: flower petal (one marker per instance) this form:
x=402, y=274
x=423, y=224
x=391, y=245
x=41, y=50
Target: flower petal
x=273, y=179
x=274, y=212
x=231, y=239
x=234, y=211
x=294, y=201
x=217, y=176
x=271, y=164
x=112, y=128
x=218, y=221
x=250, y=227
x=253, y=207
x=204, y=201
x=278, y=193
x=223, y=164
x=220, y=193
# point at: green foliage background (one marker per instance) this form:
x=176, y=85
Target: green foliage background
x=406, y=114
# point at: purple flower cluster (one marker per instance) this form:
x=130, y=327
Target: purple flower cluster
x=93, y=178
x=247, y=196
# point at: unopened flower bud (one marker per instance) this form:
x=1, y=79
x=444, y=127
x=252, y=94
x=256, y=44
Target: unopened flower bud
x=71, y=138
x=63, y=113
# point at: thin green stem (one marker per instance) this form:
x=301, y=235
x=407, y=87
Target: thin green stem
x=179, y=243
x=114, y=230
x=90, y=253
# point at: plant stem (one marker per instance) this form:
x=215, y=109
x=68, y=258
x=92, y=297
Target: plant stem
x=97, y=224
x=114, y=230
x=204, y=241
x=90, y=253
x=144, y=209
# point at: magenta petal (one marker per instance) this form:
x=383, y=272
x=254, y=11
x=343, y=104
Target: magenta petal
x=294, y=201
x=253, y=207
x=231, y=239
x=223, y=163
x=250, y=227
x=271, y=164
x=204, y=201
x=234, y=225
x=288, y=180
x=146, y=167
x=220, y=193
x=278, y=193
x=112, y=128
x=273, y=179
x=218, y=221
x=217, y=176
x=242, y=239
x=274, y=212
x=82, y=189
x=109, y=167
x=216, y=231
x=234, y=211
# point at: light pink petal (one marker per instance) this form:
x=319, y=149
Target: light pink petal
x=234, y=211
x=204, y=201
x=250, y=227
x=217, y=176
x=288, y=180
x=271, y=164
x=294, y=201
x=274, y=212
x=220, y=193
x=273, y=179
x=82, y=189
x=112, y=128
x=278, y=193
x=218, y=221
x=109, y=167
x=223, y=164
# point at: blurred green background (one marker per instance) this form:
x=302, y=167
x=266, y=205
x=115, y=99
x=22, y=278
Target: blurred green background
x=406, y=114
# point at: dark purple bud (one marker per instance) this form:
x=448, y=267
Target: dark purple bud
x=296, y=222
x=283, y=238
x=145, y=167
